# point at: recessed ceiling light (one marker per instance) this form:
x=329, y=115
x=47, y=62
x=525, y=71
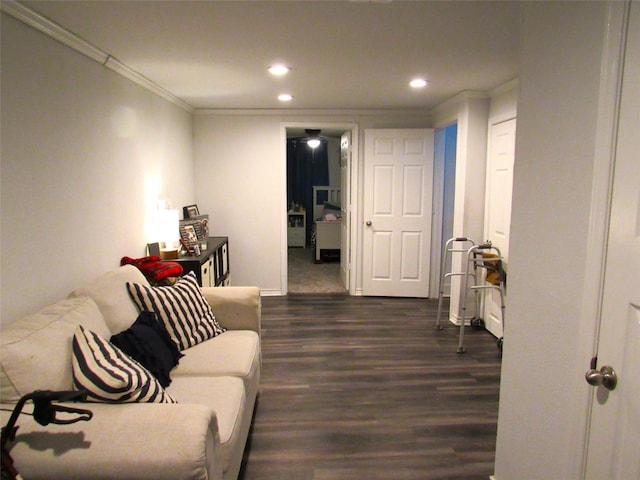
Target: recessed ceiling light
x=279, y=70
x=285, y=97
x=418, y=83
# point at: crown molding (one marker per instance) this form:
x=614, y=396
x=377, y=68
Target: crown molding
x=504, y=88
x=117, y=66
x=447, y=111
x=71, y=40
x=309, y=112
x=52, y=29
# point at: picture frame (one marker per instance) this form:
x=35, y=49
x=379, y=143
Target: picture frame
x=190, y=235
x=190, y=211
x=193, y=232
x=153, y=249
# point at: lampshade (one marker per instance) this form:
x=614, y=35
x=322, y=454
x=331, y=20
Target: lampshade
x=168, y=233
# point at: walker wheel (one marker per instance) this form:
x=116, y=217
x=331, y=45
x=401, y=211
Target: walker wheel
x=477, y=322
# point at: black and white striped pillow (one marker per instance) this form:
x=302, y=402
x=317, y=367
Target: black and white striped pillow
x=184, y=311
x=109, y=375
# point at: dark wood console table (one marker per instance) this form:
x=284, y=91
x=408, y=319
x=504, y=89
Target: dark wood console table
x=212, y=265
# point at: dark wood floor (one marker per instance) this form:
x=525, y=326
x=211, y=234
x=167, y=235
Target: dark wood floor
x=365, y=388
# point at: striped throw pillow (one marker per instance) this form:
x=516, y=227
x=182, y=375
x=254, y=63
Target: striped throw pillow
x=108, y=375
x=181, y=307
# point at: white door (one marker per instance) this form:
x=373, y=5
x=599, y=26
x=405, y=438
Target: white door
x=345, y=207
x=614, y=440
x=398, y=185
x=501, y=154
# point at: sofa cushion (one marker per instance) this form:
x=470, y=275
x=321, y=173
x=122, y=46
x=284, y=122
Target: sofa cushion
x=148, y=342
x=184, y=311
x=226, y=396
x=235, y=353
x=109, y=291
x=109, y=375
x=141, y=441
x=36, y=350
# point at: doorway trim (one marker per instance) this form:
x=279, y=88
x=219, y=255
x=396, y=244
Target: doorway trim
x=439, y=200
x=352, y=208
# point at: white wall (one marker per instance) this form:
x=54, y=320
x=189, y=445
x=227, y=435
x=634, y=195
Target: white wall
x=240, y=160
x=543, y=390
x=239, y=184
x=86, y=154
x=504, y=102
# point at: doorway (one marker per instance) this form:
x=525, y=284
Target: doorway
x=322, y=167
x=443, y=202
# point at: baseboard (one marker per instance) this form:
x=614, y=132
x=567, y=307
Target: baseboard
x=456, y=320
x=270, y=292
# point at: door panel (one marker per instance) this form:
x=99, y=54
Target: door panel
x=383, y=184
x=614, y=436
x=626, y=442
x=413, y=195
x=500, y=160
x=398, y=186
x=409, y=269
x=382, y=255
x=345, y=208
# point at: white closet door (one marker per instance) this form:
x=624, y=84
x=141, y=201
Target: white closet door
x=502, y=141
x=614, y=436
x=345, y=207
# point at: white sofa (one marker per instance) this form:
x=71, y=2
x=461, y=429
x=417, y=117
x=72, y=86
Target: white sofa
x=203, y=436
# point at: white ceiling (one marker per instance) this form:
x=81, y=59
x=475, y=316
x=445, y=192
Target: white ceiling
x=344, y=54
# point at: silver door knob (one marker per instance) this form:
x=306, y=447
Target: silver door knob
x=368, y=223
x=606, y=376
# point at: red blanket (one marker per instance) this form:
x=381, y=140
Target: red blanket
x=153, y=268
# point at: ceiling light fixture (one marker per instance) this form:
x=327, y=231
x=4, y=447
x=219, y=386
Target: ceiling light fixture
x=313, y=142
x=279, y=70
x=313, y=138
x=285, y=97
x=418, y=83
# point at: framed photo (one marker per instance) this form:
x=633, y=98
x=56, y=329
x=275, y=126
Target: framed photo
x=153, y=249
x=190, y=235
x=190, y=211
x=194, y=231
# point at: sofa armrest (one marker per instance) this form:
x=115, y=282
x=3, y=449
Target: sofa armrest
x=123, y=441
x=236, y=308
